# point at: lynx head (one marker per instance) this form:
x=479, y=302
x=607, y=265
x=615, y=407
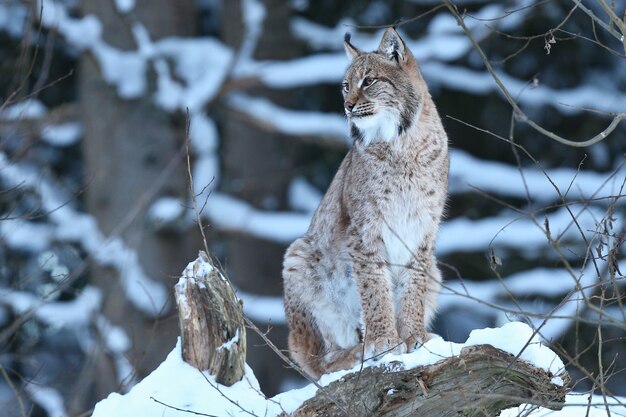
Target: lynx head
x=382, y=90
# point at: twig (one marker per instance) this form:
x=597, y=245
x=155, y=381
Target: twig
x=191, y=187
x=12, y=386
x=617, y=118
x=182, y=409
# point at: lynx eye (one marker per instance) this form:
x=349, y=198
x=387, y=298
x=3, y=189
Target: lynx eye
x=367, y=81
x=346, y=86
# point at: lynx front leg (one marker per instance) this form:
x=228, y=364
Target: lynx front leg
x=373, y=283
x=418, y=299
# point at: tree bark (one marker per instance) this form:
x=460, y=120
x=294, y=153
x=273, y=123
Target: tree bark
x=211, y=322
x=481, y=381
x=254, y=264
x=128, y=144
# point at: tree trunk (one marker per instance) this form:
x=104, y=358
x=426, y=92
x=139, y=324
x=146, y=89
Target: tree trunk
x=128, y=145
x=257, y=167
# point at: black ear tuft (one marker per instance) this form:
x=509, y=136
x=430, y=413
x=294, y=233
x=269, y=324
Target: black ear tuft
x=351, y=51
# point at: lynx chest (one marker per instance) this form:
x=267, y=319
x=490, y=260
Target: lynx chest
x=406, y=224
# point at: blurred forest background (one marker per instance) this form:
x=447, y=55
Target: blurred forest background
x=99, y=97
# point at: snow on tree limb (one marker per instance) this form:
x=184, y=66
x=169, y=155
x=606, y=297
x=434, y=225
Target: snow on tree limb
x=482, y=380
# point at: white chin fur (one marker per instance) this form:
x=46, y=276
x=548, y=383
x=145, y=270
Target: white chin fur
x=380, y=127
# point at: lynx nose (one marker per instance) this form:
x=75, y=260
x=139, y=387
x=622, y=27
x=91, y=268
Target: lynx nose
x=348, y=105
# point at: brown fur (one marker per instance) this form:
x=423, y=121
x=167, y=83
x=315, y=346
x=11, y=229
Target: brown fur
x=363, y=280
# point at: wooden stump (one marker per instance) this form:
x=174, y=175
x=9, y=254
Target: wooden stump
x=211, y=322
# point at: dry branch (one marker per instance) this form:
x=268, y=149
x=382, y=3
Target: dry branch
x=481, y=381
x=211, y=322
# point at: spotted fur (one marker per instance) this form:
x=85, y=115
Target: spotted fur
x=363, y=280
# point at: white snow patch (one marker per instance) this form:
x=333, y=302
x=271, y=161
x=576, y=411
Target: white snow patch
x=202, y=133
x=229, y=213
x=13, y=17
x=115, y=338
x=64, y=134
x=196, y=392
x=26, y=235
x=124, y=6
x=263, y=308
x=291, y=122
x=166, y=210
x=253, y=14
x=77, y=312
x=519, y=340
x=147, y=295
x=303, y=196
x=47, y=398
x=30, y=108
x=192, y=391
x=229, y=344
x=202, y=63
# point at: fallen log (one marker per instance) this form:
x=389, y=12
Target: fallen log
x=481, y=381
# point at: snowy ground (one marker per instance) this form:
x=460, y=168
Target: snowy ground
x=176, y=389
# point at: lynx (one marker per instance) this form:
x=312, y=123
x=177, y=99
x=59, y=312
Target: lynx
x=363, y=280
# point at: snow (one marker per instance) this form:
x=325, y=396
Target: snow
x=229, y=344
x=467, y=171
x=290, y=122
x=68, y=224
x=303, y=196
x=198, y=392
x=125, y=70
x=576, y=405
x=166, y=210
x=20, y=234
x=124, y=6
x=117, y=343
x=253, y=14
x=47, y=398
x=263, y=308
x=519, y=340
x=13, y=18
x=202, y=134
x=64, y=134
x=193, y=390
x=69, y=314
x=567, y=101
x=30, y=108
x=115, y=338
x=229, y=213
x=513, y=231
x=147, y=295
x=201, y=63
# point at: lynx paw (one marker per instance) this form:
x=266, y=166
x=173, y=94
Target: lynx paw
x=384, y=345
x=414, y=342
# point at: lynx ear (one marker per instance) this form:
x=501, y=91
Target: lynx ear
x=351, y=51
x=392, y=46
